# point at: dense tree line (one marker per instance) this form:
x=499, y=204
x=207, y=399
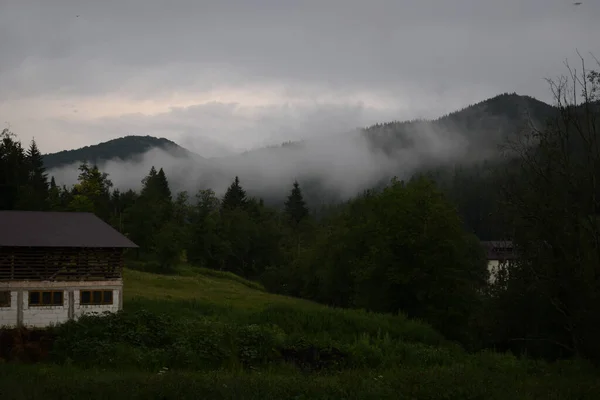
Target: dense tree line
x=372, y=252
x=412, y=246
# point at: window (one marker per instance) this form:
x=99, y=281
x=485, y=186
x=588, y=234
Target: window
x=46, y=298
x=4, y=299
x=95, y=297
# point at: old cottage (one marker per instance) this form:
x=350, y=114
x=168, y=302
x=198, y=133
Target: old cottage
x=56, y=266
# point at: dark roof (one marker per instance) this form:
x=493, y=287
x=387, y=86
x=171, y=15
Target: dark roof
x=499, y=250
x=58, y=229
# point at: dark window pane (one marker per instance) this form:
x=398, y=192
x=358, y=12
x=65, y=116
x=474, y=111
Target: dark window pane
x=97, y=296
x=4, y=299
x=57, y=298
x=108, y=298
x=46, y=298
x=86, y=297
x=34, y=297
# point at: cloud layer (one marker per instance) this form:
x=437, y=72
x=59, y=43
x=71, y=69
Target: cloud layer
x=341, y=164
x=231, y=75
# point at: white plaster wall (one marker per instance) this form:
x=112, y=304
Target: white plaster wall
x=8, y=315
x=46, y=315
x=493, y=269
x=494, y=266
x=89, y=309
x=42, y=316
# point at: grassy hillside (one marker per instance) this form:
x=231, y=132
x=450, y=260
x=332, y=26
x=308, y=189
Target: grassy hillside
x=205, y=334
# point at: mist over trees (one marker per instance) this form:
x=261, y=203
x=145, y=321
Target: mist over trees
x=410, y=246
x=333, y=167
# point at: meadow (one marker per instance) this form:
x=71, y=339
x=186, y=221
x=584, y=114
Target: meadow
x=206, y=334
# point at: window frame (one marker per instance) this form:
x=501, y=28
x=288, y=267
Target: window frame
x=8, y=302
x=41, y=302
x=103, y=301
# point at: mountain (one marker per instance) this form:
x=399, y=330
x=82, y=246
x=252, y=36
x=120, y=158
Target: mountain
x=331, y=167
x=482, y=126
x=125, y=148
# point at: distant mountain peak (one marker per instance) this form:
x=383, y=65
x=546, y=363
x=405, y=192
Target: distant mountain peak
x=483, y=125
x=123, y=148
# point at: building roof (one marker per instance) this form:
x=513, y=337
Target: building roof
x=499, y=250
x=58, y=229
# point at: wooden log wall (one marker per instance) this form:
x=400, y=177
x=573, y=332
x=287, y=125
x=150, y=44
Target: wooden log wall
x=59, y=264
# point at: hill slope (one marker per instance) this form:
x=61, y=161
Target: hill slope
x=330, y=168
x=216, y=334
x=125, y=148
x=483, y=124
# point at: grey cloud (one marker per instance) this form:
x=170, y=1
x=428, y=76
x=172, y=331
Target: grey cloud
x=379, y=45
x=343, y=162
x=216, y=129
x=425, y=57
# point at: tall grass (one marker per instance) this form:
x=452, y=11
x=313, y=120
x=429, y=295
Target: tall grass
x=460, y=381
x=212, y=335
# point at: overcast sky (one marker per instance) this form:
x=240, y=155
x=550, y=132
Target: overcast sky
x=242, y=73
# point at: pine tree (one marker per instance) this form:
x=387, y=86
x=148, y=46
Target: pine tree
x=148, y=182
x=151, y=212
x=54, y=201
x=235, y=196
x=163, y=185
x=35, y=196
x=13, y=174
x=295, y=207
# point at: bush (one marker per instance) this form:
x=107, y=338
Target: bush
x=346, y=325
x=140, y=354
x=311, y=340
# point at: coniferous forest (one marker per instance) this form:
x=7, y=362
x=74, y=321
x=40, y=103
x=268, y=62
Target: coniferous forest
x=412, y=247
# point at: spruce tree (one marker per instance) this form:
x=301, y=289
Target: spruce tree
x=13, y=174
x=151, y=212
x=54, y=200
x=148, y=182
x=235, y=196
x=295, y=207
x=37, y=179
x=163, y=185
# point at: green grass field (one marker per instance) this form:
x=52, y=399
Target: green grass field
x=203, y=334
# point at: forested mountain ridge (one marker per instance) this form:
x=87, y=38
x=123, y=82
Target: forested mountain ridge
x=483, y=125
x=332, y=168
x=124, y=148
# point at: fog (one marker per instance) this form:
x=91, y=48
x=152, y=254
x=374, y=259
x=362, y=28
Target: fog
x=344, y=163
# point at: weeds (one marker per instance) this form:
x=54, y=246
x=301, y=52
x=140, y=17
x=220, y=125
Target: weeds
x=194, y=334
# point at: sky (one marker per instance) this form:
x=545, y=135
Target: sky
x=231, y=75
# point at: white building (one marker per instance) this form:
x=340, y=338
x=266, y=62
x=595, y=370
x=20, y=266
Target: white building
x=499, y=255
x=56, y=266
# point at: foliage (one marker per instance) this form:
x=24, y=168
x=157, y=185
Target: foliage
x=549, y=304
x=92, y=192
x=235, y=196
x=172, y=349
x=401, y=249
x=295, y=207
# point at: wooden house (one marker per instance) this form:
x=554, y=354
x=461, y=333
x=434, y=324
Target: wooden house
x=56, y=266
